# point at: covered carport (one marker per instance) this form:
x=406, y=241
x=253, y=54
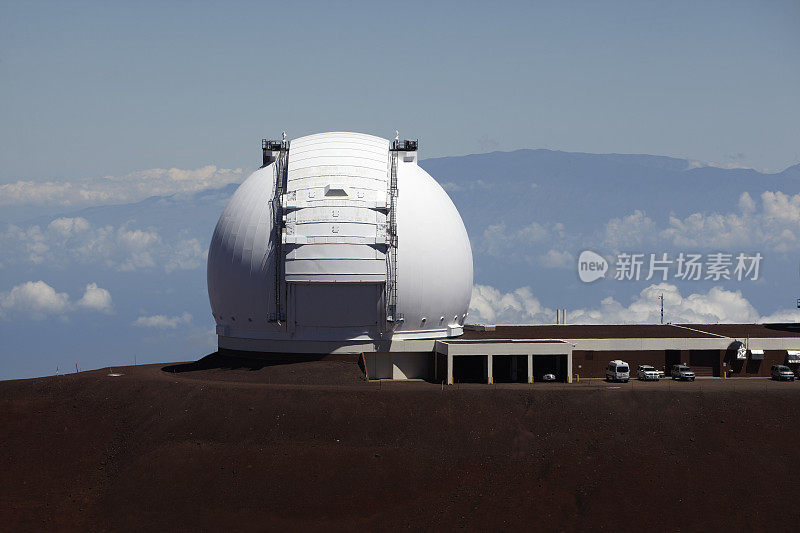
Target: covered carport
x=481, y=360
x=510, y=368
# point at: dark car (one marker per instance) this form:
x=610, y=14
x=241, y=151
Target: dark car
x=781, y=373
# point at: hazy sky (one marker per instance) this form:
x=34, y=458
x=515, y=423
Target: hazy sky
x=96, y=88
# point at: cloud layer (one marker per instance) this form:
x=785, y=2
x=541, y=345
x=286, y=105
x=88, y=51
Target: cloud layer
x=768, y=223
x=491, y=306
x=117, y=189
x=74, y=240
x=773, y=224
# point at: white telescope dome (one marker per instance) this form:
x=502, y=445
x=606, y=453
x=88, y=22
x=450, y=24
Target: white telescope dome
x=360, y=246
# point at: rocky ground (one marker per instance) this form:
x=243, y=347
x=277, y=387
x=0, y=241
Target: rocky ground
x=224, y=444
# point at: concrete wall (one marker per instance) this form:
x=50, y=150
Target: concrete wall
x=379, y=365
x=412, y=365
x=399, y=366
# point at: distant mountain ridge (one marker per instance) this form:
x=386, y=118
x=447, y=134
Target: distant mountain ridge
x=587, y=189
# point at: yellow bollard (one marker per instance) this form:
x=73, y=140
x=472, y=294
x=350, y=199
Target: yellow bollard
x=578, y=377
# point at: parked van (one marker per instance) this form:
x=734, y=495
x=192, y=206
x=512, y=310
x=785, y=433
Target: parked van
x=618, y=370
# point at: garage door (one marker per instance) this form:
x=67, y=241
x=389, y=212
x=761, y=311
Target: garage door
x=705, y=363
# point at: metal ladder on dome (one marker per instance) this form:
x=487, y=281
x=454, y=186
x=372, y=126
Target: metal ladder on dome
x=392, y=316
x=391, y=234
x=281, y=177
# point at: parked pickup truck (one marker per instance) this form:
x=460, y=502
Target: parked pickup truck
x=682, y=372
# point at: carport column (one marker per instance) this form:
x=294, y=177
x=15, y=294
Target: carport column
x=489, y=377
x=530, y=368
x=449, y=369
x=569, y=366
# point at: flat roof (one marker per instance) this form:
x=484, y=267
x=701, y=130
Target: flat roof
x=621, y=331
x=462, y=340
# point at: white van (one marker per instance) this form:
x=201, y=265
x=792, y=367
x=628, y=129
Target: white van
x=618, y=370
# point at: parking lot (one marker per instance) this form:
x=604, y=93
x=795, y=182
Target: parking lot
x=664, y=384
x=709, y=384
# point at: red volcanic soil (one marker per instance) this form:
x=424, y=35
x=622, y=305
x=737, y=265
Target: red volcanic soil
x=311, y=445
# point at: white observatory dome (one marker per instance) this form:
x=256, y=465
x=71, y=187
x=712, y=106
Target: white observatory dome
x=359, y=247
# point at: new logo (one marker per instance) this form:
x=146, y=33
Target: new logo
x=591, y=266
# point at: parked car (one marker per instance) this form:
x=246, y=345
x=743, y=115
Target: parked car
x=682, y=372
x=781, y=373
x=647, y=373
x=549, y=377
x=618, y=370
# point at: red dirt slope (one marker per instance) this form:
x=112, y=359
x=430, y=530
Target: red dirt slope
x=312, y=446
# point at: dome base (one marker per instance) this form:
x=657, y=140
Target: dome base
x=325, y=347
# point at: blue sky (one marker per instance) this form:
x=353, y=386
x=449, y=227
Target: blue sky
x=96, y=88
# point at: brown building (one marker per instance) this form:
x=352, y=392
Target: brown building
x=525, y=353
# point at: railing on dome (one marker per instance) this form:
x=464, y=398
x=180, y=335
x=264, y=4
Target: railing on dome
x=281, y=170
x=391, y=262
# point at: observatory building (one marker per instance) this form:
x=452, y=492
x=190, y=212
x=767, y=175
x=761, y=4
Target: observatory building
x=340, y=243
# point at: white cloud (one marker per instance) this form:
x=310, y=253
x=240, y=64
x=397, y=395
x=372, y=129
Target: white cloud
x=558, y=259
x=34, y=297
x=491, y=306
x=498, y=240
x=96, y=299
x=110, y=189
x=773, y=225
x=68, y=227
x=66, y=241
x=783, y=316
x=727, y=166
x=163, y=321
x=746, y=203
x=187, y=254
x=629, y=232
x=38, y=300
x=780, y=206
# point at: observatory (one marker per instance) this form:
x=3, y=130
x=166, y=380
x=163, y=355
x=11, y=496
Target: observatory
x=339, y=243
